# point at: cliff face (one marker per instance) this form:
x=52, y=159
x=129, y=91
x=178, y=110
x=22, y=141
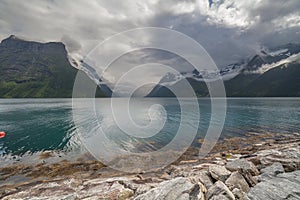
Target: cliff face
x=32, y=69
x=35, y=70
x=14, y=44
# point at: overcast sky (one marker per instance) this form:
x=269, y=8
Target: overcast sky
x=229, y=30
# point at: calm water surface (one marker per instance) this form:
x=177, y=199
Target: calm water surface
x=35, y=125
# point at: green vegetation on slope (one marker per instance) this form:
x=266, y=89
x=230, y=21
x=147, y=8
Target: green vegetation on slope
x=282, y=81
x=35, y=70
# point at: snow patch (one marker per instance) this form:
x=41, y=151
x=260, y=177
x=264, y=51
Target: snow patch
x=278, y=52
x=267, y=67
x=225, y=74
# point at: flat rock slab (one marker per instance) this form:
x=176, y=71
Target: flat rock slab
x=236, y=180
x=219, y=191
x=73, y=189
x=218, y=172
x=178, y=188
x=284, y=186
x=242, y=165
x=271, y=171
x=288, y=157
x=205, y=179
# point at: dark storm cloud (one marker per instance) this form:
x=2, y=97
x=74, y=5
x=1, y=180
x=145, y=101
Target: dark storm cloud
x=232, y=30
x=229, y=30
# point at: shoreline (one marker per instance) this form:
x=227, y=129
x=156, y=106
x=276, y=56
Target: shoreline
x=87, y=169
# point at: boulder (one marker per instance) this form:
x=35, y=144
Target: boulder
x=219, y=191
x=236, y=180
x=239, y=194
x=218, y=172
x=251, y=180
x=283, y=186
x=178, y=188
x=270, y=171
x=205, y=179
x=288, y=157
x=242, y=165
x=125, y=194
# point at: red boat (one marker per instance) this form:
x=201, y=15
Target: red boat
x=2, y=134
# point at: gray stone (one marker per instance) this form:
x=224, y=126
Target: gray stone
x=283, y=186
x=205, y=179
x=72, y=189
x=143, y=189
x=244, y=165
x=275, y=168
x=125, y=194
x=219, y=197
x=271, y=171
x=178, y=188
x=219, y=172
x=236, y=180
x=219, y=191
x=239, y=194
x=288, y=157
x=251, y=180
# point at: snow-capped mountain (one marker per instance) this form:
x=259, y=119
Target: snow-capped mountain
x=92, y=73
x=248, y=75
x=238, y=76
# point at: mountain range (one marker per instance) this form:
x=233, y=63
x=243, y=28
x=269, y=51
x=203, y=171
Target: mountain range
x=31, y=69
x=271, y=73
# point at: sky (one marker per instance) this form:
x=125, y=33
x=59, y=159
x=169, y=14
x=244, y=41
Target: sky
x=229, y=30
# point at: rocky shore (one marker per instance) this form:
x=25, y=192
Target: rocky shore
x=258, y=166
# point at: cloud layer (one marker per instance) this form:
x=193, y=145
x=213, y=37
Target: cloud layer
x=229, y=30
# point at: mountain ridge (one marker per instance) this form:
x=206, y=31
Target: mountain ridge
x=247, y=79
x=30, y=69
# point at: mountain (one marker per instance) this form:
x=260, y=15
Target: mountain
x=281, y=81
x=42, y=70
x=35, y=70
x=93, y=75
x=271, y=73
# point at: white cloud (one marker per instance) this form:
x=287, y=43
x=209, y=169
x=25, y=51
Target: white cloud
x=183, y=7
x=229, y=13
x=289, y=21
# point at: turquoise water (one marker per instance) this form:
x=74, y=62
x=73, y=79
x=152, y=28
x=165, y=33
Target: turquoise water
x=34, y=125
